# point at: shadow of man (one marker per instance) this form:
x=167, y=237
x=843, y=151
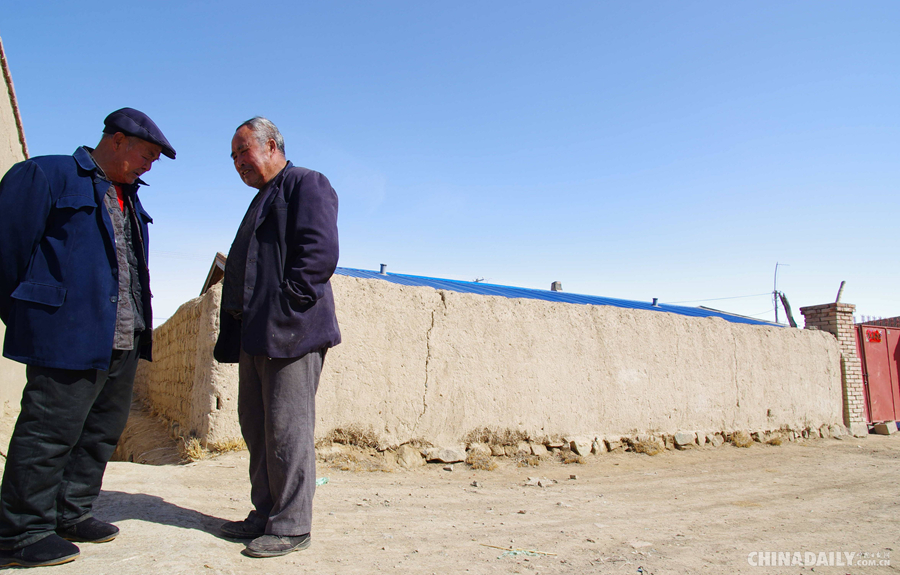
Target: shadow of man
x=116, y=506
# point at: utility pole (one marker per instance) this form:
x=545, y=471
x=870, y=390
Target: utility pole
x=775, y=293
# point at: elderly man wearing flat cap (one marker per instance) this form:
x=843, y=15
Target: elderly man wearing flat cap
x=75, y=298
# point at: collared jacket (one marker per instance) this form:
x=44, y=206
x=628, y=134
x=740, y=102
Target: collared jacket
x=59, y=278
x=288, y=306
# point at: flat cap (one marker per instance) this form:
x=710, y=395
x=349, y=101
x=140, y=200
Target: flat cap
x=138, y=124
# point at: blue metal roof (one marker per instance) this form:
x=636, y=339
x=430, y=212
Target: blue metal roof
x=546, y=295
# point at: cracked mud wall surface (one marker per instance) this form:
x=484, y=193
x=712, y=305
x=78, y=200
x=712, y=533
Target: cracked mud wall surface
x=553, y=368
x=416, y=363
x=377, y=378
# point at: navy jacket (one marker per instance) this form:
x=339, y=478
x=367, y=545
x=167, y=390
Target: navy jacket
x=58, y=270
x=288, y=306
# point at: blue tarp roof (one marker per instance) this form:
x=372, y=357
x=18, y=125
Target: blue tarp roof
x=546, y=295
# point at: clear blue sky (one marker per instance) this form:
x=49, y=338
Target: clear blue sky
x=675, y=150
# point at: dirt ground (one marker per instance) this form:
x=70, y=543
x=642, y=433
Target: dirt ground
x=699, y=511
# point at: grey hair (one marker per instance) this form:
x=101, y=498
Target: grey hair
x=264, y=130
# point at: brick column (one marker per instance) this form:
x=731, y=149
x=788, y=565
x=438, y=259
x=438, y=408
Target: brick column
x=837, y=319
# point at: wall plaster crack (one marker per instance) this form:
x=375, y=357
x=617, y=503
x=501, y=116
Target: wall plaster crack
x=428, y=362
x=734, y=371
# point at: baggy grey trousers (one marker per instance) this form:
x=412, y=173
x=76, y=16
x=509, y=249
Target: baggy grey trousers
x=277, y=413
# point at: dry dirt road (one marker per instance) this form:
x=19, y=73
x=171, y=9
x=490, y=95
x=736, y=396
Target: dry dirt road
x=702, y=511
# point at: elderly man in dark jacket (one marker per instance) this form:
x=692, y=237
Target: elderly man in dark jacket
x=75, y=298
x=277, y=321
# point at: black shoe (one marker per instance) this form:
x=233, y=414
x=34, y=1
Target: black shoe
x=241, y=530
x=51, y=550
x=276, y=545
x=89, y=531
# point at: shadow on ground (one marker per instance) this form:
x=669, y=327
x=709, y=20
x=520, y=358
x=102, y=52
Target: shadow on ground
x=116, y=506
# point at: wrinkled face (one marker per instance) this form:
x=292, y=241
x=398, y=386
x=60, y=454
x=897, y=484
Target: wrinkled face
x=255, y=163
x=132, y=157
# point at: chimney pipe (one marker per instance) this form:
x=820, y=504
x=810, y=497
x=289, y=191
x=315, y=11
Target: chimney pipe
x=383, y=269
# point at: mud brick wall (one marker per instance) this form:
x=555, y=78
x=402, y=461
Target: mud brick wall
x=419, y=363
x=169, y=384
x=184, y=383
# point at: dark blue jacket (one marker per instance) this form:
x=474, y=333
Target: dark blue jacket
x=58, y=271
x=288, y=305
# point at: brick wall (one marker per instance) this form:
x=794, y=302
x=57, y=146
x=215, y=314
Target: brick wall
x=884, y=322
x=837, y=319
x=168, y=387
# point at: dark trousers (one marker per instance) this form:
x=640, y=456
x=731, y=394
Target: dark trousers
x=66, y=432
x=277, y=412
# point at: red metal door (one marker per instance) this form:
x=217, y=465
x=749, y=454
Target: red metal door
x=893, y=348
x=877, y=366
x=862, y=361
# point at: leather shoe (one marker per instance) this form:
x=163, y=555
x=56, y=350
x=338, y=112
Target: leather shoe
x=276, y=545
x=241, y=530
x=51, y=550
x=89, y=531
